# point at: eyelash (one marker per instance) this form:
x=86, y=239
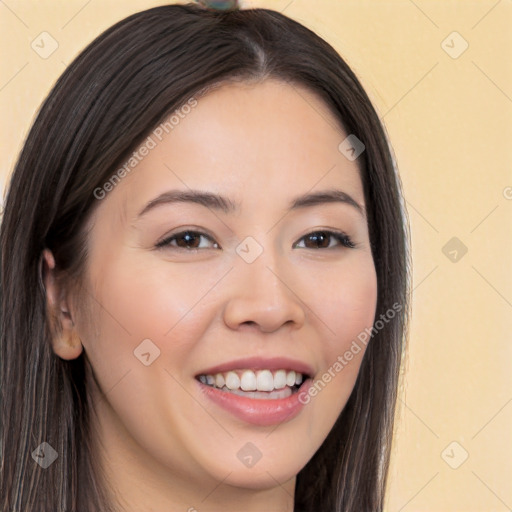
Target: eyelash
x=340, y=236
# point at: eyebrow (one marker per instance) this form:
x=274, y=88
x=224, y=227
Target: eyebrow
x=226, y=205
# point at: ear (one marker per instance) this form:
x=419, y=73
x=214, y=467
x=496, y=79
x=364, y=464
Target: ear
x=65, y=340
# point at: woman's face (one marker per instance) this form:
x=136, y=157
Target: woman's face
x=262, y=286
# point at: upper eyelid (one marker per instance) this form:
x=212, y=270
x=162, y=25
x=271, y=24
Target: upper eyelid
x=175, y=235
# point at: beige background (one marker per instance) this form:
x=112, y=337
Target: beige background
x=450, y=123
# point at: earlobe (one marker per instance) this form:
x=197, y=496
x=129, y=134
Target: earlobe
x=65, y=340
x=67, y=345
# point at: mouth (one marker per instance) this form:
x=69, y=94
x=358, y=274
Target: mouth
x=263, y=384
x=258, y=391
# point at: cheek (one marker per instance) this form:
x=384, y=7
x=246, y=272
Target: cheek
x=146, y=312
x=344, y=298
x=347, y=309
x=149, y=300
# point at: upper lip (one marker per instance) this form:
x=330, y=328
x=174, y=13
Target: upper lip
x=260, y=363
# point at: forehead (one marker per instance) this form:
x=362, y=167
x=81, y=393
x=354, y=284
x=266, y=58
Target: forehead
x=251, y=142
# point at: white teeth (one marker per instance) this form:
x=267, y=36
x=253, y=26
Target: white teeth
x=248, y=381
x=219, y=380
x=280, y=379
x=232, y=380
x=265, y=381
x=251, y=380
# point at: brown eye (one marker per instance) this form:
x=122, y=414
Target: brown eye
x=186, y=240
x=322, y=240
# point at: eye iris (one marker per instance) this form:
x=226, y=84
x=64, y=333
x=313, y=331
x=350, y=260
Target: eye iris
x=320, y=235
x=187, y=235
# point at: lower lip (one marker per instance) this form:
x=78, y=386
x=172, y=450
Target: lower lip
x=259, y=412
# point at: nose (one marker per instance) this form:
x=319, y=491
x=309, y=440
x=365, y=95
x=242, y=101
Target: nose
x=263, y=295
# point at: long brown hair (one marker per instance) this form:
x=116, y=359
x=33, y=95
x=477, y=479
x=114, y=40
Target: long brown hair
x=101, y=108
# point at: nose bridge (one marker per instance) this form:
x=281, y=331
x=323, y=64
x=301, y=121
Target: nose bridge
x=265, y=272
x=262, y=293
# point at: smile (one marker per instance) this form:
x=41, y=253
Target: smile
x=261, y=384
x=257, y=391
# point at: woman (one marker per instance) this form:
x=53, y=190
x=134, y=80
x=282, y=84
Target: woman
x=204, y=276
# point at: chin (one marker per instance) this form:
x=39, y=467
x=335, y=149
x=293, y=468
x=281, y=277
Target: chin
x=261, y=478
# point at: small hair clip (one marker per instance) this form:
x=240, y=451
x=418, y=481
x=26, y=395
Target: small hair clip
x=219, y=5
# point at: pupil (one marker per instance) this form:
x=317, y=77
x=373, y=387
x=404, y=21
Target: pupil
x=320, y=235
x=187, y=236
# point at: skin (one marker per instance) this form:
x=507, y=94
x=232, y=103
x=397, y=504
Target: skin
x=164, y=445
